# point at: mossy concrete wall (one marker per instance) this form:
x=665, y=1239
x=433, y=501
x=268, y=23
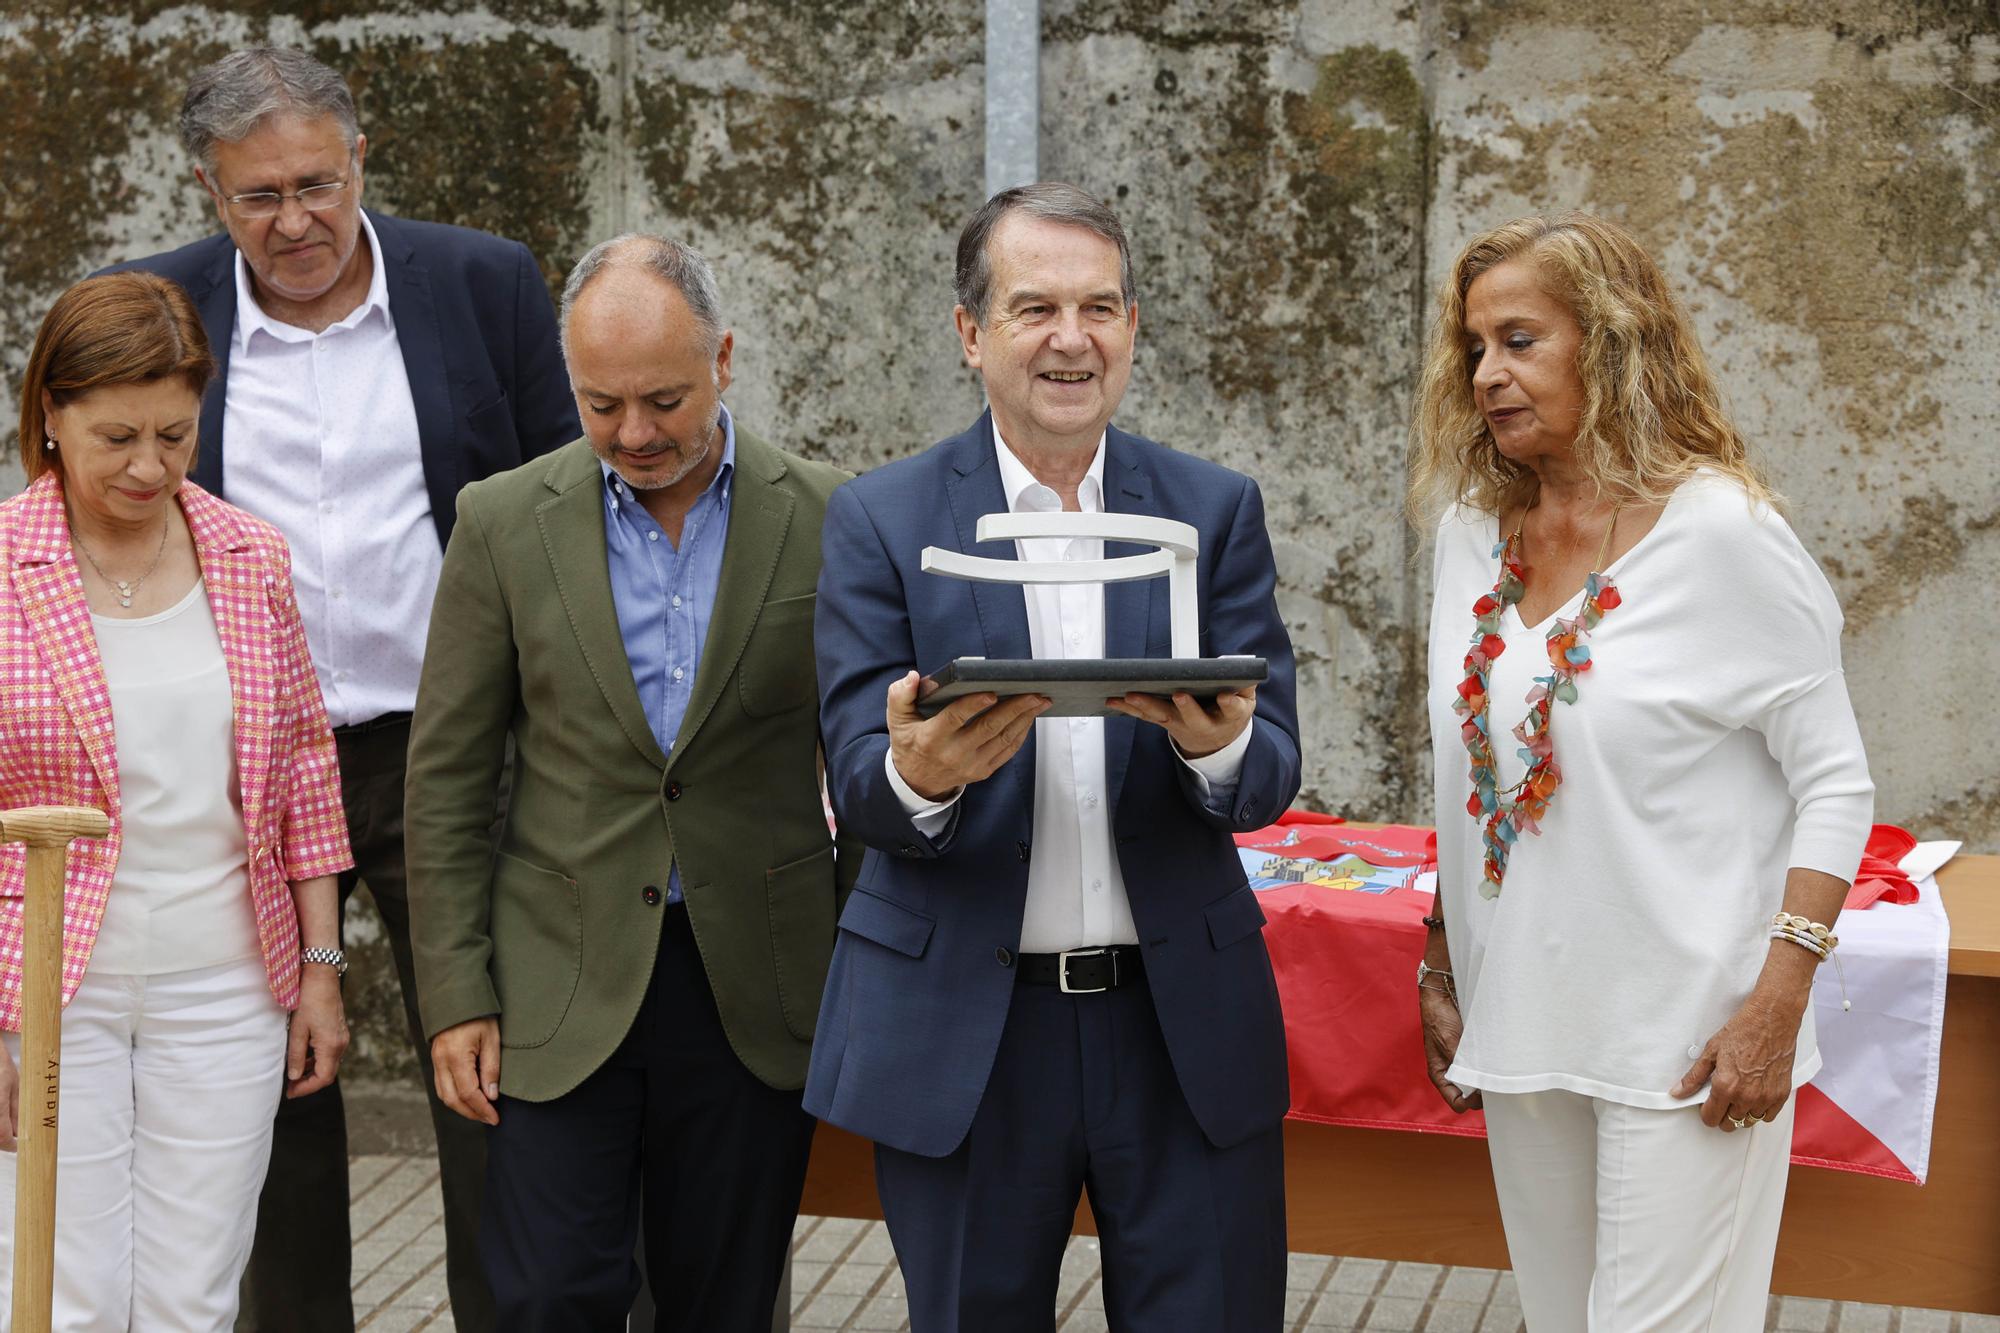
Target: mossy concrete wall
x=1820, y=181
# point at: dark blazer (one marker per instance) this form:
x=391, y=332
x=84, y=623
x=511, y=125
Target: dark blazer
x=922, y=970
x=478, y=337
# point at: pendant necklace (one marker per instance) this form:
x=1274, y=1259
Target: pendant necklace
x=126, y=590
x=1508, y=812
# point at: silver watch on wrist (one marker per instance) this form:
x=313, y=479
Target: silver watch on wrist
x=333, y=958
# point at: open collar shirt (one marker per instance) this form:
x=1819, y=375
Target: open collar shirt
x=665, y=594
x=323, y=444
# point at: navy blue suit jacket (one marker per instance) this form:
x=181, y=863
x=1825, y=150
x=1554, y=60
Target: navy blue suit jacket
x=478, y=337
x=922, y=976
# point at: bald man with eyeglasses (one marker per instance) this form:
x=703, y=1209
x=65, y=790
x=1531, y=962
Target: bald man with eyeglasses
x=370, y=367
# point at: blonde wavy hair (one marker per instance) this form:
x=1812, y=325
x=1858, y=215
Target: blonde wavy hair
x=1652, y=414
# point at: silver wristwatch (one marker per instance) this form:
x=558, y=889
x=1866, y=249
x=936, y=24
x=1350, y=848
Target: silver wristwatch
x=333, y=958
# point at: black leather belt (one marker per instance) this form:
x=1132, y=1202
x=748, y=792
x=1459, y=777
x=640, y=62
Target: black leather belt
x=380, y=723
x=1085, y=971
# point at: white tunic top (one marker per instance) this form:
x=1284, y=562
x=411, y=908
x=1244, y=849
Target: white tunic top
x=1712, y=746
x=180, y=898
x=323, y=443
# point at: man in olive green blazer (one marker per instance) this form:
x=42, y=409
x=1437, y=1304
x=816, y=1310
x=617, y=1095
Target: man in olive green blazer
x=625, y=986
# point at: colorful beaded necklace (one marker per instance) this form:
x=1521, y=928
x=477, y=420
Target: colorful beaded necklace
x=1511, y=811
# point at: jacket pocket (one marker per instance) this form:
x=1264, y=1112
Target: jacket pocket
x=777, y=673
x=494, y=421
x=891, y=925
x=1237, y=917
x=537, y=949
x=1164, y=645
x=799, y=897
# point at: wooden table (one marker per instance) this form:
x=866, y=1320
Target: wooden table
x=1429, y=1197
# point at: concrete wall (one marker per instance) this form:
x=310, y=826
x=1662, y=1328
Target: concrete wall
x=1818, y=179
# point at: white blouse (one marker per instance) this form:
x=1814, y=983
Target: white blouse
x=1711, y=747
x=180, y=897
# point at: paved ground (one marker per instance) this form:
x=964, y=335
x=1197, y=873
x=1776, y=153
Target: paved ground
x=844, y=1277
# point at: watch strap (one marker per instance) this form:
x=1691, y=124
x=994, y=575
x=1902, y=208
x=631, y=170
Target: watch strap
x=333, y=958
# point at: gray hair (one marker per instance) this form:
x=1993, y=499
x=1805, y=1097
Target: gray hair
x=1051, y=201
x=678, y=264
x=226, y=101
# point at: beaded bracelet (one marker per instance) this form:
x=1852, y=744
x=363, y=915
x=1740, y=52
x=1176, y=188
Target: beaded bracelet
x=1816, y=940
x=1804, y=941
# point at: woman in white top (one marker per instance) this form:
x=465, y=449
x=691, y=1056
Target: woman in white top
x=152, y=664
x=1651, y=793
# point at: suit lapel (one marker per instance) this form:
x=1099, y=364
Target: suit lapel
x=974, y=489
x=572, y=527
x=52, y=603
x=1128, y=489
x=241, y=604
x=217, y=307
x=413, y=306
x=760, y=514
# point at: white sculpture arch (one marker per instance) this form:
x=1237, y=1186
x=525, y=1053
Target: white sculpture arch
x=1175, y=546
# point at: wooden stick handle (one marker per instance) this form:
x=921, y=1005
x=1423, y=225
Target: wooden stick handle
x=47, y=831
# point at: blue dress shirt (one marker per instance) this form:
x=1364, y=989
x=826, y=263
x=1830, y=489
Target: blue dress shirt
x=665, y=594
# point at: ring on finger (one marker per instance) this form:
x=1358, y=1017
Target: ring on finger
x=1754, y=1118
x=1736, y=1122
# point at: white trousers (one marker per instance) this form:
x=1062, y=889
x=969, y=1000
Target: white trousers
x=1621, y=1219
x=169, y=1087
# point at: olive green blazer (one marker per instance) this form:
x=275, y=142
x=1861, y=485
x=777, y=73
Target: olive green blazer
x=555, y=929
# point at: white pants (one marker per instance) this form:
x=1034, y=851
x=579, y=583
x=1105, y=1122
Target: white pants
x=169, y=1087
x=1620, y=1219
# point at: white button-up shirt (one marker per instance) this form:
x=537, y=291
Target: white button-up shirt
x=1076, y=891
x=323, y=443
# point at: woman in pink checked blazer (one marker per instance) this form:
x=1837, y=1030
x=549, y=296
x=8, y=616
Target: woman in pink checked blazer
x=152, y=664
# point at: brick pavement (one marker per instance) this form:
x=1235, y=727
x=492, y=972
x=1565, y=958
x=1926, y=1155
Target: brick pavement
x=844, y=1277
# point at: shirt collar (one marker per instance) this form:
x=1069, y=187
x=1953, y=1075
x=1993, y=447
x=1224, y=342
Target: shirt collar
x=1024, y=493
x=251, y=317
x=615, y=488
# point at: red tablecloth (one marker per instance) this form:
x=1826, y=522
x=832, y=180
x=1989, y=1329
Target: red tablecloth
x=1346, y=933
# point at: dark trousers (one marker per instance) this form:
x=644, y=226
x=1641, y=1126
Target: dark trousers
x=671, y=1126
x=300, y=1264
x=1083, y=1096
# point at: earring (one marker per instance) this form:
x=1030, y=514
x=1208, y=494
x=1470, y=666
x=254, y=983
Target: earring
x=51, y=443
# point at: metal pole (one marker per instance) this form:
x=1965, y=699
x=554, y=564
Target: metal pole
x=47, y=830
x=1013, y=93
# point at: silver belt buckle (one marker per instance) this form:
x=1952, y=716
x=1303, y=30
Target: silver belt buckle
x=1062, y=970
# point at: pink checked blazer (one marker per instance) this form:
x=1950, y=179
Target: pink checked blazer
x=56, y=743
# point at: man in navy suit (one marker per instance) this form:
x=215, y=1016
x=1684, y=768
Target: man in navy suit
x=370, y=367
x=1050, y=976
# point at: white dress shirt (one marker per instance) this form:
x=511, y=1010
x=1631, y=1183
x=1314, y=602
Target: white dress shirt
x=323, y=443
x=1076, y=892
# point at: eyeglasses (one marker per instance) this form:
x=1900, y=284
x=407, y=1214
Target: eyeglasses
x=266, y=204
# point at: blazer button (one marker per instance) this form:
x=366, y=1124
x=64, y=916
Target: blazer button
x=673, y=791
x=908, y=849
x=651, y=893
x=1021, y=849
x=1003, y=956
